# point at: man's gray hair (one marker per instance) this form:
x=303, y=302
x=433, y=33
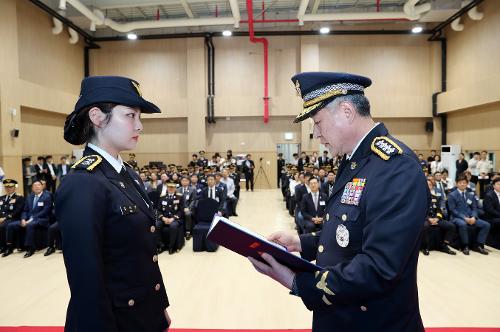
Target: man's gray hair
x=360, y=103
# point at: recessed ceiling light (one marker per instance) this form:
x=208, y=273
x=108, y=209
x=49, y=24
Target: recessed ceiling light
x=132, y=36
x=417, y=29
x=324, y=30
x=227, y=33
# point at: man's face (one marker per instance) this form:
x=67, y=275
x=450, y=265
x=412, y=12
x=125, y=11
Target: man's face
x=194, y=180
x=484, y=155
x=437, y=177
x=420, y=157
x=331, y=129
x=496, y=186
x=331, y=177
x=143, y=177
x=313, y=185
x=184, y=182
x=211, y=181
x=462, y=185
x=10, y=190
x=171, y=189
x=321, y=173
x=225, y=173
x=37, y=187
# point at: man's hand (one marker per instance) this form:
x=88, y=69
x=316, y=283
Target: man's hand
x=289, y=240
x=433, y=221
x=275, y=270
x=472, y=221
x=23, y=222
x=219, y=213
x=2, y=220
x=167, y=316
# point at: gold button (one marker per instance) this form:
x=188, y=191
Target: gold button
x=321, y=248
x=363, y=308
x=313, y=233
x=152, y=229
x=131, y=303
x=327, y=216
x=157, y=287
x=344, y=217
x=155, y=258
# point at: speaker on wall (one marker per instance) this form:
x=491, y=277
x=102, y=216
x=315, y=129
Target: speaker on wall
x=429, y=126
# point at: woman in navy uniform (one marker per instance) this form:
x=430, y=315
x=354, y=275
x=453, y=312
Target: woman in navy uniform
x=106, y=219
x=369, y=245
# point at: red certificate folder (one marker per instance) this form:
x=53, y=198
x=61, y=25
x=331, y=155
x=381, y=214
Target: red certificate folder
x=247, y=243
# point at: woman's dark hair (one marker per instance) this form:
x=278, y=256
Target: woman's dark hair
x=86, y=131
x=87, y=126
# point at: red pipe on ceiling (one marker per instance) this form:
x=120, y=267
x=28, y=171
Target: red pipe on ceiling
x=266, y=47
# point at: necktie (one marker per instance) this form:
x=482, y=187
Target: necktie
x=463, y=196
x=35, y=201
x=330, y=189
x=315, y=200
x=211, y=193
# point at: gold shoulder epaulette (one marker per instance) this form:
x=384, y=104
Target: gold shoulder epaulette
x=88, y=163
x=385, y=148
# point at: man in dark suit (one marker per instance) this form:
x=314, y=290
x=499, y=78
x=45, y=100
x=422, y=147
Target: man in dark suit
x=41, y=169
x=62, y=169
x=36, y=214
x=327, y=187
x=303, y=161
x=248, y=167
x=51, y=174
x=491, y=205
x=188, y=193
x=324, y=160
x=280, y=164
x=313, y=208
x=463, y=210
x=211, y=191
x=11, y=207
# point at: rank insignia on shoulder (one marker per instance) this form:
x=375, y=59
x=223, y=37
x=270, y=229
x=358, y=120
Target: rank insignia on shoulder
x=88, y=163
x=385, y=148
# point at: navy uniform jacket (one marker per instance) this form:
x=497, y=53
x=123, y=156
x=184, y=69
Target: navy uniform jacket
x=12, y=208
x=370, y=242
x=460, y=208
x=109, y=247
x=435, y=208
x=308, y=209
x=172, y=206
x=41, y=213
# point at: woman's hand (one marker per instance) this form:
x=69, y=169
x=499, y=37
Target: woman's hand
x=167, y=316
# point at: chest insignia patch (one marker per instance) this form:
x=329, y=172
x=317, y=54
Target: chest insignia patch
x=352, y=192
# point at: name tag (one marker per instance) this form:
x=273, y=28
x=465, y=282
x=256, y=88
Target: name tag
x=1, y=202
x=198, y=190
x=176, y=201
x=12, y=207
x=469, y=202
x=164, y=203
x=438, y=194
x=187, y=197
x=128, y=209
x=12, y=201
x=322, y=203
x=40, y=204
x=217, y=199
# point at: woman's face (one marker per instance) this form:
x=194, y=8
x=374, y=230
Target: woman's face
x=122, y=131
